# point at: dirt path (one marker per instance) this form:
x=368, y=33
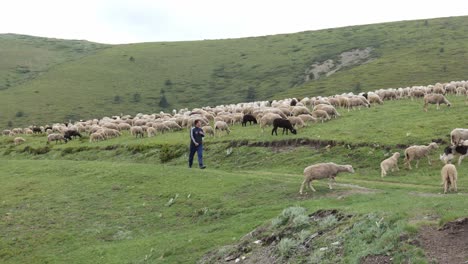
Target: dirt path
x=448, y=244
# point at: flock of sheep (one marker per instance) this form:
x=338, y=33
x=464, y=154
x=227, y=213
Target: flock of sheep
x=290, y=114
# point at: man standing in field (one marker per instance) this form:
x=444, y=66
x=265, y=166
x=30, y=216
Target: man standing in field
x=196, y=140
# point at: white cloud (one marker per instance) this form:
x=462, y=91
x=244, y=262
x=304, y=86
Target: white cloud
x=125, y=21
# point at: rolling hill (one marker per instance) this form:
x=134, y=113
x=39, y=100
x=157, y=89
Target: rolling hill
x=47, y=80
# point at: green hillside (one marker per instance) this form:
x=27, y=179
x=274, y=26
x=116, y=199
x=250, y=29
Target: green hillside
x=133, y=200
x=134, y=78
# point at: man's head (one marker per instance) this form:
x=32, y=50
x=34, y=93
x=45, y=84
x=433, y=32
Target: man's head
x=197, y=123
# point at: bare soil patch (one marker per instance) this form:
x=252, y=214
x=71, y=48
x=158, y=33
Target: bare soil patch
x=448, y=244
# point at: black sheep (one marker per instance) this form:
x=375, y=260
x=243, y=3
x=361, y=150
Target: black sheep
x=71, y=133
x=248, y=118
x=293, y=102
x=36, y=130
x=283, y=123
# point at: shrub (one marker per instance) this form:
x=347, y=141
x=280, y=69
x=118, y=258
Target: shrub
x=286, y=246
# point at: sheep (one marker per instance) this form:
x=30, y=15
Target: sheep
x=124, y=126
x=221, y=126
x=435, y=99
x=96, y=136
x=374, y=98
x=323, y=170
x=19, y=141
x=267, y=120
x=248, y=118
x=296, y=121
x=283, y=123
x=390, y=163
x=172, y=125
x=449, y=152
x=300, y=110
x=137, y=131
x=6, y=132
x=307, y=118
x=69, y=134
x=161, y=128
x=56, y=137
x=458, y=135
x=151, y=131
x=208, y=130
x=320, y=114
x=37, y=130
x=449, y=177
x=418, y=152
x=331, y=111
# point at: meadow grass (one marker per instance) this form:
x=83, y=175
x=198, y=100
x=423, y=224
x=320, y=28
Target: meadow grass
x=117, y=202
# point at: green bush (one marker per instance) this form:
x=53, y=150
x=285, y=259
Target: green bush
x=170, y=152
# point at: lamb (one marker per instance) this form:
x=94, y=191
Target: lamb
x=390, y=163
x=418, y=152
x=208, y=130
x=19, y=141
x=221, y=126
x=56, y=137
x=458, y=135
x=435, y=99
x=449, y=177
x=449, y=152
x=323, y=170
x=283, y=123
x=248, y=118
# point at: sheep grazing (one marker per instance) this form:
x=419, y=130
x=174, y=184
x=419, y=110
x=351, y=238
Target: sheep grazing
x=449, y=177
x=208, y=130
x=436, y=99
x=323, y=170
x=19, y=141
x=418, y=152
x=137, y=131
x=221, y=126
x=248, y=118
x=389, y=164
x=283, y=123
x=96, y=136
x=458, y=135
x=450, y=151
x=69, y=134
x=320, y=114
x=267, y=120
x=56, y=137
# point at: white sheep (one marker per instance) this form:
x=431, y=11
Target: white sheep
x=435, y=99
x=267, y=120
x=221, y=126
x=389, y=164
x=331, y=111
x=449, y=177
x=321, y=171
x=458, y=135
x=418, y=152
x=321, y=114
x=137, y=131
x=296, y=121
x=151, y=131
x=307, y=118
x=19, y=140
x=55, y=137
x=208, y=130
x=96, y=136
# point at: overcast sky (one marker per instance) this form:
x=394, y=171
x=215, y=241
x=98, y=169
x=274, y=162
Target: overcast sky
x=130, y=21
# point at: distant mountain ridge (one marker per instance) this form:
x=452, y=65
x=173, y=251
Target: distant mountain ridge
x=50, y=80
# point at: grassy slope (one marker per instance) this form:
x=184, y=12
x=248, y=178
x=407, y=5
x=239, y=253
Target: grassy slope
x=214, y=72
x=107, y=201
x=25, y=57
